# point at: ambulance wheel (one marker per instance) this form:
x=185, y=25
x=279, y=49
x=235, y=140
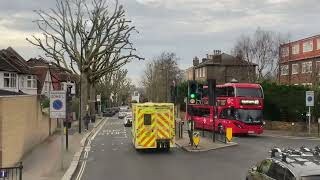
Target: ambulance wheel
x=167, y=146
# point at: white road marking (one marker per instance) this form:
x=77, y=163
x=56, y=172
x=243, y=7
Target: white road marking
x=86, y=153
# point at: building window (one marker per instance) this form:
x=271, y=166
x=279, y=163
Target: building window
x=306, y=84
x=10, y=80
x=318, y=67
x=203, y=72
x=295, y=48
x=318, y=43
x=307, y=67
x=45, y=86
x=308, y=46
x=295, y=68
x=285, y=51
x=284, y=70
x=31, y=82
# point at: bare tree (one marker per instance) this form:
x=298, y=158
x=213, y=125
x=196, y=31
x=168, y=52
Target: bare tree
x=159, y=76
x=87, y=38
x=263, y=49
x=115, y=87
x=242, y=50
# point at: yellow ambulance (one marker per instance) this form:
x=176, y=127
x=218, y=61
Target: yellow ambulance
x=153, y=125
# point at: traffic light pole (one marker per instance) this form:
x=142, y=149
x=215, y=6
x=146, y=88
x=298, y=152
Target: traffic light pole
x=68, y=115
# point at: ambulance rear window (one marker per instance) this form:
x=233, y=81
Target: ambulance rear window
x=147, y=119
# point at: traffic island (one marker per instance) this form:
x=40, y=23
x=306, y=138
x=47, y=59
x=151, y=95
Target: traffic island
x=206, y=144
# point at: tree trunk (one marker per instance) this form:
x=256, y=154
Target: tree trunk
x=84, y=93
x=92, y=94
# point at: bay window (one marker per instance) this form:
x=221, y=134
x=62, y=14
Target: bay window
x=9, y=80
x=31, y=81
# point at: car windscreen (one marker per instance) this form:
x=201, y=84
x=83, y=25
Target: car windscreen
x=317, y=177
x=249, y=92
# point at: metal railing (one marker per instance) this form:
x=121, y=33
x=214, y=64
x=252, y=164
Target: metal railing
x=221, y=135
x=11, y=173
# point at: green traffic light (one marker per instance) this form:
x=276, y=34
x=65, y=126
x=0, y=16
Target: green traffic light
x=192, y=96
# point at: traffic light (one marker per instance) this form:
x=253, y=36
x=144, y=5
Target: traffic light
x=200, y=92
x=212, y=91
x=192, y=92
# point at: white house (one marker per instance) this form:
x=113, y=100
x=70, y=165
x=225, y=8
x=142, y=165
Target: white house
x=15, y=74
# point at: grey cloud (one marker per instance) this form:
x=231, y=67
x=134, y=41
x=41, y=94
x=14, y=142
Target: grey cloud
x=191, y=28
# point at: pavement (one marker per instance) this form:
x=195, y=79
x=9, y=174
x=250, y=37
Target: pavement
x=290, y=134
x=112, y=156
x=44, y=161
x=206, y=144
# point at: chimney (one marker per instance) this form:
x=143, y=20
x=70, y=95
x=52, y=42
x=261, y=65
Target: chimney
x=204, y=60
x=216, y=52
x=195, y=61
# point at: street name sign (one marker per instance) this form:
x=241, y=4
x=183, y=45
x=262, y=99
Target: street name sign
x=57, y=104
x=310, y=98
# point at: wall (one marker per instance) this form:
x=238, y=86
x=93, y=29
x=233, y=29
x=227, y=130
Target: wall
x=302, y=55
x=47, y=85
x=301, y=77
x=23, y=126
x=288, y=126
x=224, y=74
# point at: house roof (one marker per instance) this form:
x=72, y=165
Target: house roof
x=11, y=61
x=40, y=67
x=10, y=93
x=224, y=60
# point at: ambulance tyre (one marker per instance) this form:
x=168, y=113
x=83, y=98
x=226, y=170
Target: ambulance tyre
x=167, y=146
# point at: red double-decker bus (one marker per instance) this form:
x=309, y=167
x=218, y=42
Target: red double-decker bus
x=240, y=107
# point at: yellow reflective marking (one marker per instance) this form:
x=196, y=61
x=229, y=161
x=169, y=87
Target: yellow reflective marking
x=229, y=134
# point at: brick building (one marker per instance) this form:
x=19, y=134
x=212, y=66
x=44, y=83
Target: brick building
x=300, y=62
x=222, y=67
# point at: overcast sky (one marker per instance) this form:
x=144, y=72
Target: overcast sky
x=187, y=27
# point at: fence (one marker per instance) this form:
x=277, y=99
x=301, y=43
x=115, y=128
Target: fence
x=11, y=173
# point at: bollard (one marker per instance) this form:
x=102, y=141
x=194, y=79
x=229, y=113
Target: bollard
x=202, y=128
x=180, y=125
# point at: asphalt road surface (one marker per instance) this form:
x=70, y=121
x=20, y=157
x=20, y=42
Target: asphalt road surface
x=113, y=157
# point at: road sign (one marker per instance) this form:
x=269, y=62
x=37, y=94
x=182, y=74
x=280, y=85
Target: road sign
x=229, y=134
x=57, y=104
x=98, y=97
x=309, y=98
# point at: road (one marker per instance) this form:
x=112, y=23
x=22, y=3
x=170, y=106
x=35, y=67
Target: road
x=113, y=157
